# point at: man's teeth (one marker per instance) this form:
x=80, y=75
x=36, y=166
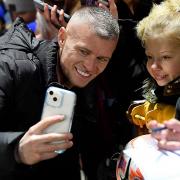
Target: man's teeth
x=83, y=73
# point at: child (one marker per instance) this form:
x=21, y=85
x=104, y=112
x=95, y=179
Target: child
x=160, y=36
x=159, y=33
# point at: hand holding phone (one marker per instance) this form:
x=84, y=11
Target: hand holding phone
x=40, y=5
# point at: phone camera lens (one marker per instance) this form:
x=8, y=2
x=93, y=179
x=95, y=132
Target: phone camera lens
x=55, y=99
x=51, y=92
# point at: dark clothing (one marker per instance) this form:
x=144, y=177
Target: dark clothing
x=178, y=109
x=27, y=67
x=109, y=98
x=97, y=128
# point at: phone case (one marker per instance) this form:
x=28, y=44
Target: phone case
x=59, y=101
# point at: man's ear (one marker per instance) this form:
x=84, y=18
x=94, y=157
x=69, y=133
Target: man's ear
x=61, y=36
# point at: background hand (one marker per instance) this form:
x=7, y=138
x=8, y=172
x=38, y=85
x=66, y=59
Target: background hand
x=112, y=8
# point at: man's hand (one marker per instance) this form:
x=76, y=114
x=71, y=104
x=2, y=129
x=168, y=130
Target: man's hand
x=36, y=146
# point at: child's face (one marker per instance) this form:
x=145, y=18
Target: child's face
x=163, y=60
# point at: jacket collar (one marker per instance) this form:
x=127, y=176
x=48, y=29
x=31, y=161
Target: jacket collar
x=47, y=54
x=173, y=88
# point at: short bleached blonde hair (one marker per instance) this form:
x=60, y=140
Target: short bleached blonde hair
x=163, y=21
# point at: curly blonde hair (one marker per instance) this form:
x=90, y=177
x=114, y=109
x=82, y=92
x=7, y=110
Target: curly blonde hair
x=163, y=21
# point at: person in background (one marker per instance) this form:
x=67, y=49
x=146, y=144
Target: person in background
x=48, y=22
x=2, y=19
x=27, y=67
x=24, y=9
x=160, y=36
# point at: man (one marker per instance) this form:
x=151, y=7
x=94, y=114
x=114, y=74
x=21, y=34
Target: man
x=27, y=68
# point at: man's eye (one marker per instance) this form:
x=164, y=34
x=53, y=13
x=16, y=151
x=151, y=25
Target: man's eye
x=83, y=52
x=102, y=60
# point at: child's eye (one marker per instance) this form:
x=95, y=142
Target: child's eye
x=149, y=57
x=166, y=57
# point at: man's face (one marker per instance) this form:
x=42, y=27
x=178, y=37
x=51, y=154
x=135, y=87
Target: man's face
x=83, y=54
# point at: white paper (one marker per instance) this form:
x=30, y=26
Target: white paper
x=153, y=163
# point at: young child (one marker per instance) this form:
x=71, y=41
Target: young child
x=159, y=33
x=143, y=157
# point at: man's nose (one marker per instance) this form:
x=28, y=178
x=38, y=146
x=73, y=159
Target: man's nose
x=90, y=64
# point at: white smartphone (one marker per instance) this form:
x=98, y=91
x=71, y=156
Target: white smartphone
x=59, y=101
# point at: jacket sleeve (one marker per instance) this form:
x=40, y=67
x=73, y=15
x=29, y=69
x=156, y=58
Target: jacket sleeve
x=8, y=138
x=8, y=142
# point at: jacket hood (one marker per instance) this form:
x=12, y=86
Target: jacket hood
x=19, y=37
